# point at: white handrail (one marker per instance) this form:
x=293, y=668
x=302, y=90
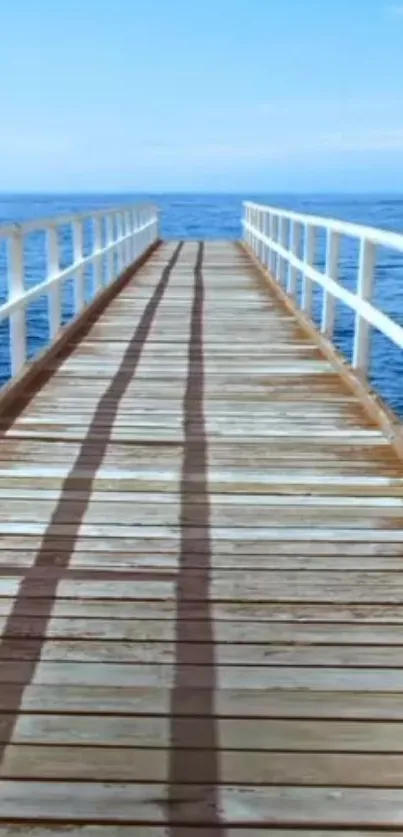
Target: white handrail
x=119, y=237
x=274, y=236
x=373, y=234
x=35, y=224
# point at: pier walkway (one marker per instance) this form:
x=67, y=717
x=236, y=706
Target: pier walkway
x=201, y=607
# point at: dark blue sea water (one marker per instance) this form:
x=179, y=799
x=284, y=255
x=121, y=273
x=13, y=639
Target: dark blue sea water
x=218, y=216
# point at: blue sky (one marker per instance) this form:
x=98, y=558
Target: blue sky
x=199, y=95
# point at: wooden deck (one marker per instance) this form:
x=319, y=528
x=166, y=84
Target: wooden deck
x=201, y=576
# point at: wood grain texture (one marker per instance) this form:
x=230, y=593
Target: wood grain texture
x=201, y=587
x=143, y=830
x=56, y=830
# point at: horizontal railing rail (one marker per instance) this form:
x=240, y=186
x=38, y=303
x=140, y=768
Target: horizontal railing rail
x=118, y=237
x=277, y=236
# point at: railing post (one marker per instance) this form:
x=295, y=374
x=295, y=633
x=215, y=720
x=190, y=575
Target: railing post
x=145, y=233
x=260, y=231
x=128, y=255
x=122, y=248
x=53, y=268
x=151, y=233
x=98, y=262
x=120, y=245
x=256, y=228
x=295, y=237
x=309, y=254
x=246, y=218
x=281, y=264
x=126, y=245
x=77, y=257
x=253, y=223
x=150, y=228
x=157, y=224
x=279, y=235
x=132, y=222
x=332, y=270
x=135, y=235
x=272, y=233
x=139, y=239
x=16, y=287
x=266, y=233
x=364, y=291
x=110, y=238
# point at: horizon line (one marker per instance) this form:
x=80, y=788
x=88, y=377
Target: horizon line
x=188, y=193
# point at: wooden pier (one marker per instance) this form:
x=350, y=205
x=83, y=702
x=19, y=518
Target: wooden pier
x=201, y=527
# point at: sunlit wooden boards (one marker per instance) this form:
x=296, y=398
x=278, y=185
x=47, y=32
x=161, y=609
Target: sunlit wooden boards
x=201, y=588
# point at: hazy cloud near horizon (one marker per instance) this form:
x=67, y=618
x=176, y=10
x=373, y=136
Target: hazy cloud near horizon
x=259, y=96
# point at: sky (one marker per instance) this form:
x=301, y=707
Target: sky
x=201, y=95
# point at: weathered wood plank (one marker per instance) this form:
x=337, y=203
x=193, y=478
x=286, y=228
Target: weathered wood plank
x=167, y=543
x=233, y=734
x=227, y=677
x=54, y=830
x=105, y=764
x=245, y=534
x=251, y=634
x=263, y=654
x=368, y=614
x=117, y=802
x=237, y=703
x=158, y=558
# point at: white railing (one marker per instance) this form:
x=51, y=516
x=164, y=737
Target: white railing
x=277, y=237
x=119, y=237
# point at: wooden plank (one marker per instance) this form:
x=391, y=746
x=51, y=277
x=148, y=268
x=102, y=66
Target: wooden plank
x=378, y=589
x=228, y=677
x=332, y=587
x=346, y=505
x=126, y=482
x=369, y=614
x=159, y=559
x=97, y=802
x=315, y=493
x=324, y=613
x=244, y=534
x=263, y=654
x=233, y=734
x=54, y=830
x=114, y=700
x=238, y=703
x=251, y=634
x=167, y=543
x=117, y=802
x=105, y=764
x=87, y=730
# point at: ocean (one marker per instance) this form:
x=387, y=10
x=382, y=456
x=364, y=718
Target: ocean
x=218, y=216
